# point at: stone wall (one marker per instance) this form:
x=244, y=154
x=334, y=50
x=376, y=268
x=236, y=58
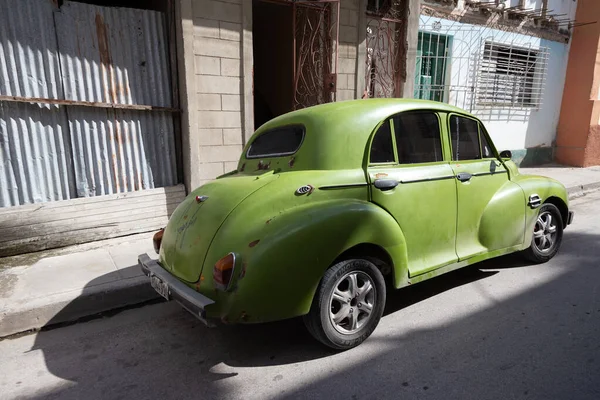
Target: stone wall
x=349, y=36
x=218, y=71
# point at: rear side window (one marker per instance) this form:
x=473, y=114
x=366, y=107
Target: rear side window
x=277, y=142
x=381, y=148
x=418, y=137
x=464, y=133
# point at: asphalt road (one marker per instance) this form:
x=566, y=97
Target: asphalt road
x=506, y=330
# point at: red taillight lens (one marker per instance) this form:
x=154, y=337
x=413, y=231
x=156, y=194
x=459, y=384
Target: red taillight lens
x=157, y=240
x=223, y=271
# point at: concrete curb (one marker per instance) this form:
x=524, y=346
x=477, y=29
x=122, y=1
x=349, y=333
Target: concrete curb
x=71, y=306
x=581, y=190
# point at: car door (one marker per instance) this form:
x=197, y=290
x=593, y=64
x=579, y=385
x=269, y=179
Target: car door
x=412, y=179
x=490, y=206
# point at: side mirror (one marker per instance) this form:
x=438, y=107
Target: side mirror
x=506, y=154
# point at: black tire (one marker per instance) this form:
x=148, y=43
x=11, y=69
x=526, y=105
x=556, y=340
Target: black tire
x=536, y=253
x=318, y=321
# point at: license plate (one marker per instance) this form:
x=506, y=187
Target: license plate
x=160, y=287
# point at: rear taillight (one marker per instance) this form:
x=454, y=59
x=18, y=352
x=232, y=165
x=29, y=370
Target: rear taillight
x=223, y=271
x=157, y=240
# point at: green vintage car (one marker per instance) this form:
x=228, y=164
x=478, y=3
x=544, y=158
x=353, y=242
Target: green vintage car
x=333, y=205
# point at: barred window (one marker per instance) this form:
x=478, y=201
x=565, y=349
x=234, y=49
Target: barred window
x=511, y=76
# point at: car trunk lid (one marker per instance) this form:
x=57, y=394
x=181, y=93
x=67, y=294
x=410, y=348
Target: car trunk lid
x=197, y=219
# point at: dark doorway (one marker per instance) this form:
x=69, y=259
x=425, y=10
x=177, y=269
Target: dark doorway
x=273, y=48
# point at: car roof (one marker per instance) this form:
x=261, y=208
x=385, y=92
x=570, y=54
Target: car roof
x=338, y=132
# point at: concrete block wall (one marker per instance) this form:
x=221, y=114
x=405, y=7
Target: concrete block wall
x=217, y=36
x=348, y=44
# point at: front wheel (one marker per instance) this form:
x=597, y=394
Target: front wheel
x=348, y=304
x=547, y=235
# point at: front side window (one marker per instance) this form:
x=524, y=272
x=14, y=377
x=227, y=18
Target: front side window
x=486, y=148
x=418, y=137
x=277, y=142
x=464, y=134
x=382, y=150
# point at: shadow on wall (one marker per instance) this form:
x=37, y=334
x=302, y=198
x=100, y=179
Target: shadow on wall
x=541, y=344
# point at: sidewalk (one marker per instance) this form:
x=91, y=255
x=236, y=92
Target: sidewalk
x=55, y=286
x=62, y=285
x=578, y=181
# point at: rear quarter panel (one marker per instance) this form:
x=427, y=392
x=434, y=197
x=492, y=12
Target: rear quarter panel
x=285, y=242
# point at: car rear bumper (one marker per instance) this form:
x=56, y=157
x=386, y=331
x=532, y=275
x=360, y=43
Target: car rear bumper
x=570, y=219
x=187, y=297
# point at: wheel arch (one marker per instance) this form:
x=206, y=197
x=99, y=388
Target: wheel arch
x=562, y=207
x=375, y=254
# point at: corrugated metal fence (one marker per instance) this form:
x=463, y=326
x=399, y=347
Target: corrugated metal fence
x=110, y=129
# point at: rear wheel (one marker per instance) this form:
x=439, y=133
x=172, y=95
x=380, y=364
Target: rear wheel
x=547, y=234
x=348, y=304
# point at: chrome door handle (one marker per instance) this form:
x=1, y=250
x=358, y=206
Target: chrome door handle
x=464, y=176
x=385, y=184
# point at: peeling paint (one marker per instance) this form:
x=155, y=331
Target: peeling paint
x=253, y=243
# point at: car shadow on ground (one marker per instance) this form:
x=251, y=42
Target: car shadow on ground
x=162, y=351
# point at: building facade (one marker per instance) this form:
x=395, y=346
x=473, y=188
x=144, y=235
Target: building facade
x=504, y=61
x=112, y=110
x=578, y=137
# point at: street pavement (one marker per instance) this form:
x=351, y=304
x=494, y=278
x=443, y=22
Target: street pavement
x=504, y=330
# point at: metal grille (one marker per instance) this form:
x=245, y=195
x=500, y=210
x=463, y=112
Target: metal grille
x=315, y=36
x=386, y=48
x=84, y=106
x=494, y=74
x=511, y=76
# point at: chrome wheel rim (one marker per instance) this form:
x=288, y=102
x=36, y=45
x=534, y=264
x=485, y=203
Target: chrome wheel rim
x=352, y=301
x=545, y=232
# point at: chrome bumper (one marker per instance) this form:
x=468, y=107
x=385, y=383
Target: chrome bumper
x=187, y=297
x=570, y=219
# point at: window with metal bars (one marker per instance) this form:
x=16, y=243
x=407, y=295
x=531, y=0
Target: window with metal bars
x=511, y=76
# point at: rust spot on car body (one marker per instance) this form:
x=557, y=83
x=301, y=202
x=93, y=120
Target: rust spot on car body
x=262, y=166
x=243, y=167
x=253, y=243
x=380, y=175
x=291, y=162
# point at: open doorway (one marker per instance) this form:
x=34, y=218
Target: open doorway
x=273, y=46
x=295, y=58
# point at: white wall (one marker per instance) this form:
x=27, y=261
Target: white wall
x=510, y=128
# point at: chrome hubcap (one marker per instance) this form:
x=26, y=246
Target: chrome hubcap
x=352, y=301
x=544, y=234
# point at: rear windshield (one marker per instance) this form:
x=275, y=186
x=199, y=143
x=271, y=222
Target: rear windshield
x=277, y=142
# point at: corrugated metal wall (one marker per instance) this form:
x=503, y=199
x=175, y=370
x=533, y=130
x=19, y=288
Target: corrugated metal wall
x=83, y=53
x=35, y=149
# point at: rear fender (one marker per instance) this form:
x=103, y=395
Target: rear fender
x=283, y=255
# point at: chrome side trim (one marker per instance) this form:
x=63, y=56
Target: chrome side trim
x=342, y=186
x=490, y=173
x=438, y=178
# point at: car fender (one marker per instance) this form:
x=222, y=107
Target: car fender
x=548, y=190
x=505, y=212
x=282, y=254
